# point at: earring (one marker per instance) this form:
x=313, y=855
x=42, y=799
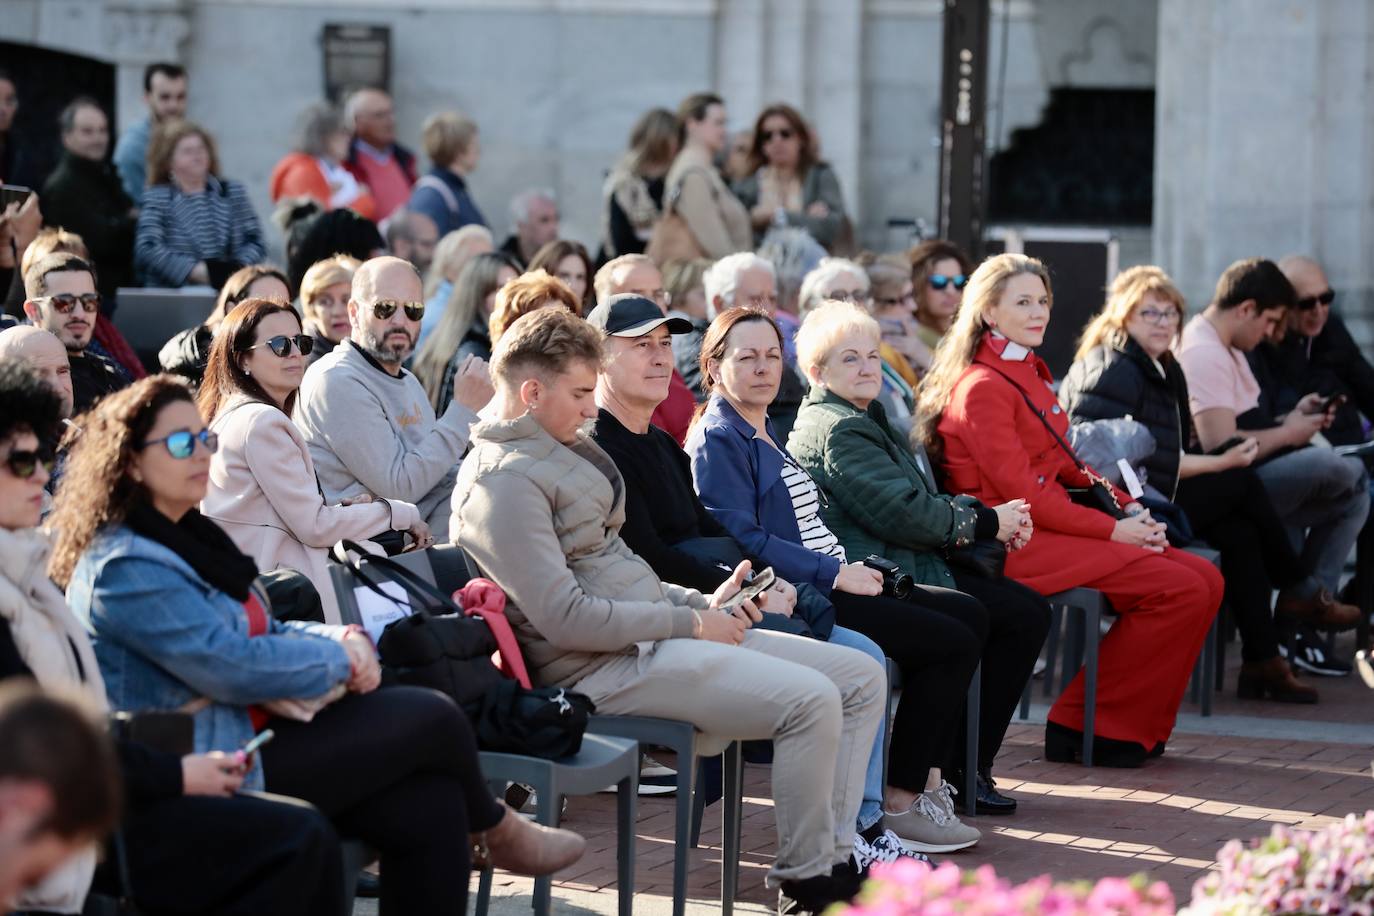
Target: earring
x=248, y=372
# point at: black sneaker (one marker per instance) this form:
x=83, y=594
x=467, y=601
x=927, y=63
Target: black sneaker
x=1313, y=654
x=813, y=895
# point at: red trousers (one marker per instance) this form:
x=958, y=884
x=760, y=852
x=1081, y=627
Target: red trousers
x=1166, y=603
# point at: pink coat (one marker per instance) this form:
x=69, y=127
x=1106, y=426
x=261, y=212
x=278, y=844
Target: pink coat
x=263, y=492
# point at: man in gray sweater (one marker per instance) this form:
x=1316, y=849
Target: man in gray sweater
x=539, y=506
x=370, y=428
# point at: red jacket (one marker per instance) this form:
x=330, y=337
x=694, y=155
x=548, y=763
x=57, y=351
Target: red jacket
x=299, y=175
x=996, y=449
x=674, y=414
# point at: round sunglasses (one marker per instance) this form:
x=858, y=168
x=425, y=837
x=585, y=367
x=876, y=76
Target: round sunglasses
x=25, y=464
x=281, y=344
x=182, y=443
x=940, y=281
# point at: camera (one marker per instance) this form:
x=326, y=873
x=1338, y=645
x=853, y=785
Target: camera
x=896, y=583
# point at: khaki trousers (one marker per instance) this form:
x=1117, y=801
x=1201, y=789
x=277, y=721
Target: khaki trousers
x=821, y=705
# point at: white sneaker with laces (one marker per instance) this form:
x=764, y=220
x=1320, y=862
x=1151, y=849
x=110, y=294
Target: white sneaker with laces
x=930, y=826
x=884, y=850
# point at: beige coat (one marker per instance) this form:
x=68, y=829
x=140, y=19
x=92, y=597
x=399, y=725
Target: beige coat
x=59, y=653
x=263, y=492
x=543, y=520
x=716, y=217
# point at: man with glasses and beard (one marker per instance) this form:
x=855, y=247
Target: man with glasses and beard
x=370, y=427
x=61, y=298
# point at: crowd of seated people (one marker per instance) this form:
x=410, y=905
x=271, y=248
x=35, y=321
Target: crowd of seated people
x=620, y=444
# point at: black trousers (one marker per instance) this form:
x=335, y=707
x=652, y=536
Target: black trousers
x=250, y=855
x=398, y=769
x=1018, y=622
x=1231, y=511
x=936, y=638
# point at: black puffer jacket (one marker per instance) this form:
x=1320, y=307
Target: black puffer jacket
x=1109, y=383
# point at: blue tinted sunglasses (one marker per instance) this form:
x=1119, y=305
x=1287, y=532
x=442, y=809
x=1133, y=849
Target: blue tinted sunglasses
x=940, y=281
x=182, y=443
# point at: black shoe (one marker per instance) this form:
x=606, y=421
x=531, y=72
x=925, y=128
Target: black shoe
x=1157, y=750
x=369, y=885
x=1313, y=654
x=989, y=800
x=814, y=895
x=1065, y=745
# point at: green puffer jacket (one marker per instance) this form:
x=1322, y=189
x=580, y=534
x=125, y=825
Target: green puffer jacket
x=877, y=499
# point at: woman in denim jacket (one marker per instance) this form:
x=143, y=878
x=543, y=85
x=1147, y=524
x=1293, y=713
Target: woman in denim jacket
x=178, y=623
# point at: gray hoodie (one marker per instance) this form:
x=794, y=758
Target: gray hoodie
x=373, y=432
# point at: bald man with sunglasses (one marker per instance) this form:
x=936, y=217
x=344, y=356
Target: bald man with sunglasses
x=60, y=297
x=370, y=427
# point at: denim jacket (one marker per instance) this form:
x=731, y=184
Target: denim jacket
x=739, y=479
x=164, y=637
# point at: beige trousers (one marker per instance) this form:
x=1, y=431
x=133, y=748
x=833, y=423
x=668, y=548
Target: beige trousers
x=820, y=704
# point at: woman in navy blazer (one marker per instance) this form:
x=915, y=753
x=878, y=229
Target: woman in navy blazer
x=742, y=475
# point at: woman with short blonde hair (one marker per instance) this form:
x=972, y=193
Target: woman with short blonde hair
x=325, y=291
x=1000, y=434
x=454, y=148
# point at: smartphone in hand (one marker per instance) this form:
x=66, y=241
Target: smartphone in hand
x=760, y=583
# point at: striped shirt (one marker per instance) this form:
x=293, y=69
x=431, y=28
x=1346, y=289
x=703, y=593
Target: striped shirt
x=176, y=231
x=806, y=503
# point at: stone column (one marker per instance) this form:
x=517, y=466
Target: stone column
x=1264, y=134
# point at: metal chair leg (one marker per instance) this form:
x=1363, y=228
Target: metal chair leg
x=733, y=783
x=548, y=811
x=682, y=829
x=1052, y=647
x=625, y=844
x=1092, y=633
x=974, y=701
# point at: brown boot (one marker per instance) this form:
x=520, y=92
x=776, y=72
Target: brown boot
x=524, y=847
x=1320, y=609
x=1275, y=678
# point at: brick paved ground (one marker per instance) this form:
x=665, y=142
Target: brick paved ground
x=1167, y=818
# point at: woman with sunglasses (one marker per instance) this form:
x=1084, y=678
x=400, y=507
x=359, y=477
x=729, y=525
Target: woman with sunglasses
x=182, y=811
x=178, y=623
x=939, y=271
x=185, y=354
x=1125, y=366
x=788, y=183
x=262, y=487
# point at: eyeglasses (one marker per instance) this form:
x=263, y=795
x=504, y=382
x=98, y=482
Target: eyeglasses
x=25, y=464
x=886, y=302
x=66, y=302
x=782, y=133
x=182, y=443
x=763, y=301
x=662, y=297
x=385, y=308
x=1311, y=302
x=281, y=344
x=1159, y=316
x=855, y=296
x=940, y=281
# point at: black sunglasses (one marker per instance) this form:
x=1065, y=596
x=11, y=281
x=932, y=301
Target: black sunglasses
x=66, y=302
x=784, y=133
x=385, y=308
x=281, y=344
x=940, y=281
x=182, y=443
x=25, y=464
x=1310, y=302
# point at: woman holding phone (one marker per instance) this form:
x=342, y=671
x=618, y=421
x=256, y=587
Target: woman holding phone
x=1125, y=366
x=770, y=506
x=179, y=623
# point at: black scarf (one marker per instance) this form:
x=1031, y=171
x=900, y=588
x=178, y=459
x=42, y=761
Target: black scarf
x=202, y=544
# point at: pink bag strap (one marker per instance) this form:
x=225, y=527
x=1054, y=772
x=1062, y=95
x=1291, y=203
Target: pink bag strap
x=484, y=598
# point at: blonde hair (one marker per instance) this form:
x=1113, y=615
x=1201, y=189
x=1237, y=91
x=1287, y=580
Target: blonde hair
x=452, y=254
x=825, y=325
x=324, y=274
x=956, y=349
x=447, y=135
x=529, y=292
x=1127, y=291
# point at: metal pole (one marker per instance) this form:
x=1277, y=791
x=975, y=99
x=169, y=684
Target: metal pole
x=963, y=110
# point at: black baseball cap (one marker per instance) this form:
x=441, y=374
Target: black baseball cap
x=631, y=315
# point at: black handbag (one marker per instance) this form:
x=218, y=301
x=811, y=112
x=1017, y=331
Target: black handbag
x=985, y=557
x=438, y=646
x=1098, y=494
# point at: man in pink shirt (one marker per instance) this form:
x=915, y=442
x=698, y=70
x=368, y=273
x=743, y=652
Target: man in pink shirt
x=1322, y=497
x=374, y=157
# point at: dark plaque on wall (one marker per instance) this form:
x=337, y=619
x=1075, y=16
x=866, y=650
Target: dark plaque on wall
x=356, y=56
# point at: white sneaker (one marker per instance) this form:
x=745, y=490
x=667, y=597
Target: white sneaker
x=885, y=850
x=654, y=778
x=930, y=826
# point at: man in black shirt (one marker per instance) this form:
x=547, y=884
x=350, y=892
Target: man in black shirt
x=61, y=297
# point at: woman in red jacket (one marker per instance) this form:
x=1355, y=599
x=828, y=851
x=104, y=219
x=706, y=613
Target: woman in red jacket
x=989, y=417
